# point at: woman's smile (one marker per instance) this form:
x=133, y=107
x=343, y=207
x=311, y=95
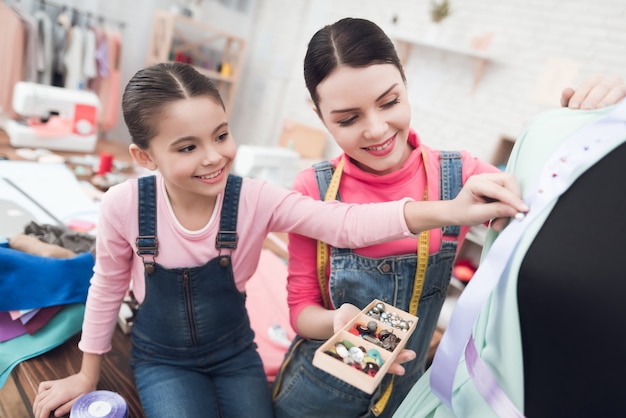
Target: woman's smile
x=382, y=149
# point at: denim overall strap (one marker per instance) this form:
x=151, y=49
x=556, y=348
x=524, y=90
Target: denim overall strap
x=450, y=182
x=192, y=334
x=147, y=242
x=227, y=235
x=324, y=173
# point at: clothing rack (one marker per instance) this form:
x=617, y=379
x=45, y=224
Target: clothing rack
x=76, y=12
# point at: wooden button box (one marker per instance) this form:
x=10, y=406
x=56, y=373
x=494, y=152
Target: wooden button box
x=356, y=372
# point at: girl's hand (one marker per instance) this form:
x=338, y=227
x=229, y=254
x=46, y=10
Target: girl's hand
x=595, y=92
x=58, y=396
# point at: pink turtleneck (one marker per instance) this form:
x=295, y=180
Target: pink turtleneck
x=358, y=186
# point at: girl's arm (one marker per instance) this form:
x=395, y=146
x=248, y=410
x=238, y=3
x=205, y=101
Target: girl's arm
x=483, y=197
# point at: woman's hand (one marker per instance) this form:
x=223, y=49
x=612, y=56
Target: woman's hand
x=346, y=313
x=403, y=356
x=489, y=196
x=595, y=92
x=58, y=396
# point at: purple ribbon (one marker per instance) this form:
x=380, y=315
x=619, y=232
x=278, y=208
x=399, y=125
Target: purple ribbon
x=587, y=144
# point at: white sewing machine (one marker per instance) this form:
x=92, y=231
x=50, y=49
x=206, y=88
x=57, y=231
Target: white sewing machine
x=275, y=164
x=54, y=118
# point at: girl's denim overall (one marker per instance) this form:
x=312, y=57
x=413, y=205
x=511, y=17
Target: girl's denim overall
x=305, y=390
x=193, y=352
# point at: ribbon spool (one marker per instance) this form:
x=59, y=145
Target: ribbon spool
x=100, y=404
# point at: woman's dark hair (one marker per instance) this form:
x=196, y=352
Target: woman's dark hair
x=350, y=41
x=152, y=88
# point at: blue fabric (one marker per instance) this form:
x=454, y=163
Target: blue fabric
x=61, y=327
x=193, y=351
x=29, y=281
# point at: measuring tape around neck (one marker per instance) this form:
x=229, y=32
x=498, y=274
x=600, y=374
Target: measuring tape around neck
x=423, y=246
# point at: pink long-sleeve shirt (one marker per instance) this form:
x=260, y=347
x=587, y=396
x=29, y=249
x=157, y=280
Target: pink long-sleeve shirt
x=358, y=186
x=263, y=208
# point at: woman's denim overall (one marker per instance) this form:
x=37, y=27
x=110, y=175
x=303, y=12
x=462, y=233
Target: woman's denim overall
x=193, y=352
x=303, y=390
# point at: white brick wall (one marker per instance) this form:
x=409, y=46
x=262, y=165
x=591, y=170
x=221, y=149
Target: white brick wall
x=529, y=36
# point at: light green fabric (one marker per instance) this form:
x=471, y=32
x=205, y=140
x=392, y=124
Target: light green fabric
x=496, y=332
x=66, y=323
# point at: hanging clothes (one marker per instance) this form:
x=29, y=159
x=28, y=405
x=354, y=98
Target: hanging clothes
x=89, y=56
x=73, y=59
x=30, y=43
x=60, y=35
x=110, y=88
x=44, y=48
x=101, y=55
x=12, y=53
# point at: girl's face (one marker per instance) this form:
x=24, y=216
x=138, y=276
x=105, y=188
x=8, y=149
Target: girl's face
x=367, y=112
x=193, y=150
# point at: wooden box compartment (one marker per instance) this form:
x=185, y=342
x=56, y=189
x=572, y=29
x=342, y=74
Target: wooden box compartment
x=358, y=376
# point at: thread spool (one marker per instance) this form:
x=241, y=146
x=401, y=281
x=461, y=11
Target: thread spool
x=100, y=404
x=106, y=163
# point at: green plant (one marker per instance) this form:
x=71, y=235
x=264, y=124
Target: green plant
x=439, y=10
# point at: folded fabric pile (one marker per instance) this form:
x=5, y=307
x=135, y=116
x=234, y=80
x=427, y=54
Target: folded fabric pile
x=44, y=281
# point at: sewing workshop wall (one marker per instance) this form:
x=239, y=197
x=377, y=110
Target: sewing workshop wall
x=103, y=68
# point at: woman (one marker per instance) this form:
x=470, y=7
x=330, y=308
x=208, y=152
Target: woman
x=357, y=84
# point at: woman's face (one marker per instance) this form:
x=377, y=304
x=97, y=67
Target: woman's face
x=367, y=111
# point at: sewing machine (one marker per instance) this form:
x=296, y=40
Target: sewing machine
x=54, y=118
x=274, y=164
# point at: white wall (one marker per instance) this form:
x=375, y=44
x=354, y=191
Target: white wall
x=531, y=38
x=529, y=35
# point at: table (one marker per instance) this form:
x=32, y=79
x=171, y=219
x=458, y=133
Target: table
x=117, y=148
x=116, y=374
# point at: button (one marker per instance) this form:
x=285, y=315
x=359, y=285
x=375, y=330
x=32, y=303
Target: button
x=224, y=261
x=149, y=268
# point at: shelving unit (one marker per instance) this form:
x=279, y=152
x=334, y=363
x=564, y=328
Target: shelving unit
x=213, y=52
x=480, y=58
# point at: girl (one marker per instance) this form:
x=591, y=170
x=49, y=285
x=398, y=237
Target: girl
x=358, y=87
x=190, y=237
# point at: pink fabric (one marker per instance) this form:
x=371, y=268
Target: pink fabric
x=358, y=186
x=41, y=318
x=263, y=208
x=10, y=328
x=269, y=314
x=12, y=44
x=110, y=86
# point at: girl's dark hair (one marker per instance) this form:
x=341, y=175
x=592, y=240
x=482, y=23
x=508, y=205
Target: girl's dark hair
x=350, y=41
x=152, y=88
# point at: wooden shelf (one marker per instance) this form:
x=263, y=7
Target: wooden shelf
x=213, y=52
x=480, y=58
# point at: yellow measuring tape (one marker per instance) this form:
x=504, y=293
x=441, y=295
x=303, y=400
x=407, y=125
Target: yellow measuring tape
x=423, y=247
x=322, y=248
